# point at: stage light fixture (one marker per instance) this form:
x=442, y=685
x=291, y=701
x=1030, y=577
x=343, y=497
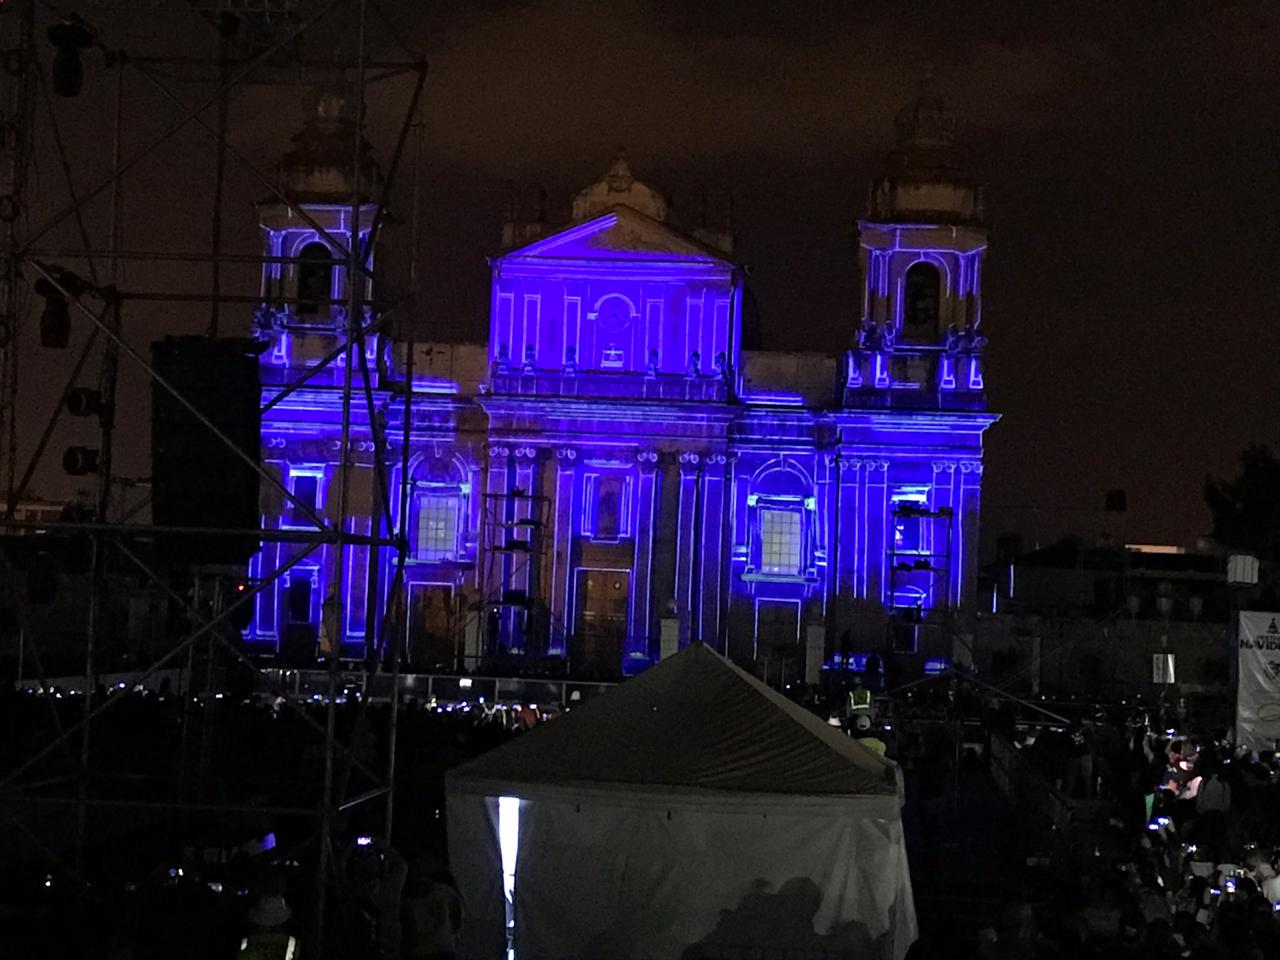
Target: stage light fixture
x=55, y=318
x=80, y=461
x=68, y=38
x=84, y=402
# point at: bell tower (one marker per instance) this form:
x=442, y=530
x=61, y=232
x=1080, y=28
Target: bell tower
x=919, y=339
x=304, y=282
x=923, y=238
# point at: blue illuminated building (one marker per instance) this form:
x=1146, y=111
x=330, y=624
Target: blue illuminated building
x=614, y=474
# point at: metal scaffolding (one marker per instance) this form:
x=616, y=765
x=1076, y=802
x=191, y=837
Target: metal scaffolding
x=253, y=41
x=927, y=562
x=513, y=619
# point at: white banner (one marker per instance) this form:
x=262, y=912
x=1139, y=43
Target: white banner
x=1258, y=693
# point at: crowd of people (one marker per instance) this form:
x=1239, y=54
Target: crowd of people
x=1172, y=851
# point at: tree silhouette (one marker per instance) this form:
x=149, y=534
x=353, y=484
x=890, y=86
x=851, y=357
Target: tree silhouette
x=1246, y=509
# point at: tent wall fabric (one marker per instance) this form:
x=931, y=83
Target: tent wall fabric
x=692, y=812
x=476, y=860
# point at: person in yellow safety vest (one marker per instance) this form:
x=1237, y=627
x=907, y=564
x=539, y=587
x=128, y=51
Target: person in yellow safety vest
x=865, y=738
x=269, y=940
x=859, y=700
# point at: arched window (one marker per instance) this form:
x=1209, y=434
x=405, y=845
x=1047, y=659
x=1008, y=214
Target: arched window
x=921, y=300
x=315, y=279
x=780, y=502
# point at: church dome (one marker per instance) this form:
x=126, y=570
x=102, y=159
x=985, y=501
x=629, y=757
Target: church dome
x=318, y=168
x=925, y=176
x=926, y=122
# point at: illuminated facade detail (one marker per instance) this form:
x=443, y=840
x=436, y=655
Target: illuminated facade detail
x=437, y=519
x=780, y=541
x=612, y=464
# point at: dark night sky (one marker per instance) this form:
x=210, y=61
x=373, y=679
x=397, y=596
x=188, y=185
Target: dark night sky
x=1130, y=151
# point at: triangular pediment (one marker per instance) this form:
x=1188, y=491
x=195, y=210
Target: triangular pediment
x=620, y=234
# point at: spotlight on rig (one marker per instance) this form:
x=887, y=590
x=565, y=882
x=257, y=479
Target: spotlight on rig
x=80, y=461
x=68, y=38
x=55, y=319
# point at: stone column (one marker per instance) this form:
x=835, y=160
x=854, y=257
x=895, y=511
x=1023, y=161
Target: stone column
x=644, y=529
x=711, y=545
x=686, y=545
x=668, y=636
x=814, y=636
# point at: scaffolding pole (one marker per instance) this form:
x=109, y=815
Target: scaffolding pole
x=324, y=845
x=16, y=146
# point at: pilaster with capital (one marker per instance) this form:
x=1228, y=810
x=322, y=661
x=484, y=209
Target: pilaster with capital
x=943, y=494
x=640, y=631
x=965, y=550
x=711, y=544
x=875, y=513
x=847, y=545
x=827, y=533
x=690, y=466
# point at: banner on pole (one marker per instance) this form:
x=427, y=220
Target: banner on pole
x=1258, y=692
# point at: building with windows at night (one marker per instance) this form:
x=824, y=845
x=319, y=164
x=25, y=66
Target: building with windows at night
x=613, y=474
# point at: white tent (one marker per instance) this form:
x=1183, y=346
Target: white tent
x=692, y=812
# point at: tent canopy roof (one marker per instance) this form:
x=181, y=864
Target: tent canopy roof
x=693, y=721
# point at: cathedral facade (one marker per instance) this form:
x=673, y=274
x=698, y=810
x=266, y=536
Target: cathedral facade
x=613, y=475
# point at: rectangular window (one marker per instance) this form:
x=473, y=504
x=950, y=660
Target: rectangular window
x=306, y=489
x=437, y=527
x=780, y=542
x=300, y=599
x=910, y=520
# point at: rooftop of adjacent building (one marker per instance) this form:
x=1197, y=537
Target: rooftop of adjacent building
x=1109, y=554
x=1108, y=579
